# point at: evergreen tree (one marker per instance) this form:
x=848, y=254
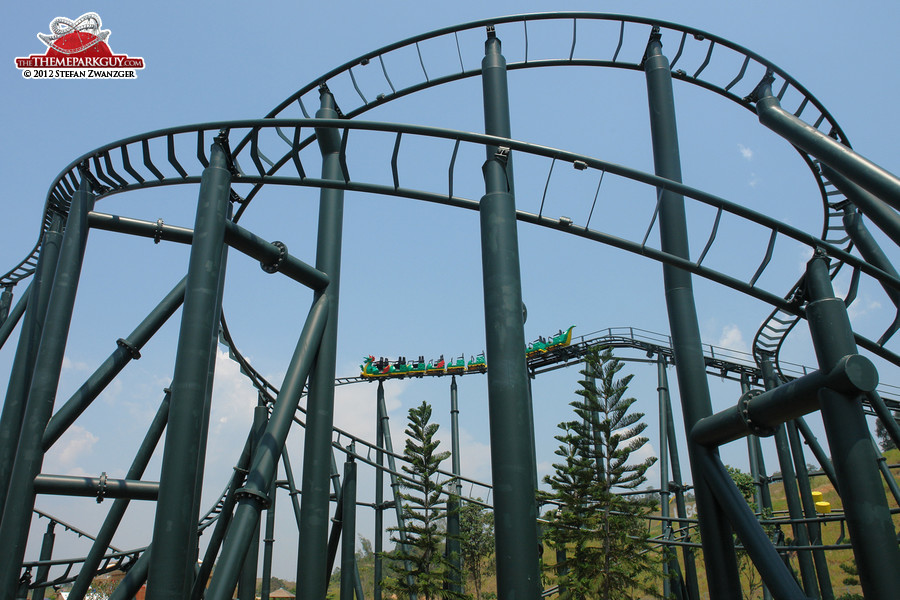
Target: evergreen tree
x=423, y=512
x=601, y=531
x=477, y=542
x=885, y=441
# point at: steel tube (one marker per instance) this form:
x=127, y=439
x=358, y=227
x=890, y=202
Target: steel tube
x=268, y=253
x=312, y=581
x=762, y=413
x=224, y=520
x=885, y=416
x=117, y=511
x=809, y=509
x=818, y=452
x=251, y=498
x=247, y=580
x=662, y=393
x=510, y=415
x=12, y=319
x=836, y=155
x=718, y=549
x=348, y=534
x=379, y=494
x=157, y=231
x=868, y=517
x=775, y=574
x=26, y=350
x=268, y=546
x=791, y=491
x=126, y=350
x=175, y=527
x=97, y=487
x=46, y=554
x=884, y=217
x=48, y=361
x=453, y=505
x=271, y=255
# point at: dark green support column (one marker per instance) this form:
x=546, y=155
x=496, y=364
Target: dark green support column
x=718, y=548
x=26, y=351
x=663, y=395
x=813, y=443
x=127, y=349
x=5, y=303
x=348, y=536
x=251, y=499
x=134, y=578
x=16, y=519
x=379, y=492
x=690, y=566
x=46, y=554
x=226, y=513
x=792, y=493
x=268, y=546
x=117, y=511
x=15, y=314
x=757, y=472
x=453, y=506
x=392, y=469
x=518, y=575
x=868, y=517
x=312, y=579
x=172, y=569
x=247, y=581
x=814, y=531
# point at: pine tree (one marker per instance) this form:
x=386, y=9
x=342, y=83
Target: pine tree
x=601, y=531
x=423, y=513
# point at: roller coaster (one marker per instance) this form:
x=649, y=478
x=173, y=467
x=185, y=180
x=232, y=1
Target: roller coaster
x=249, y=155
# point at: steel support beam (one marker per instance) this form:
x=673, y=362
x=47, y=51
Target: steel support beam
x=884, y=217
x=14, y=315
x=791, y=490
x=858, y=169
x=312, y=581
x=252, y=498
x=663, y=396
x=348, y=531
x=48, y=361
x=117, y=511
x=273, y=256
x=718, y=549
x=26, y=351
x=268, y=546
x=814, y=531
x=171, y=572
x=763, y=413
x=868, y=517
x=518, y=575
x=379, y=492
x=765, y=558
x=127, y=349
x=453, y=500
x=46, y=554
x=247, y=580
x=96, y=487
x=813, y=443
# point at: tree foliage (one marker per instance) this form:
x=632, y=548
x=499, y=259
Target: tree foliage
x=476, y=543
x=601, y=531
x=886, y=442
x=423, y=512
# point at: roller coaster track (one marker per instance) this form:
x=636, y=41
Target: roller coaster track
x=279, y=136
x=701, y=59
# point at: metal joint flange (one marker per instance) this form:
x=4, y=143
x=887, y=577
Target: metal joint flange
x=744, y=408
x=272, y=267
x=101, y=491
x=246, y=492
x=157, y=235
x=131, y=348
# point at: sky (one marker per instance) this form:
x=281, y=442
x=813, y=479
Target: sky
x=410, y=275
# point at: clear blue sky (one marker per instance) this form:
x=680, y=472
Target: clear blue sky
x=411, y=277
